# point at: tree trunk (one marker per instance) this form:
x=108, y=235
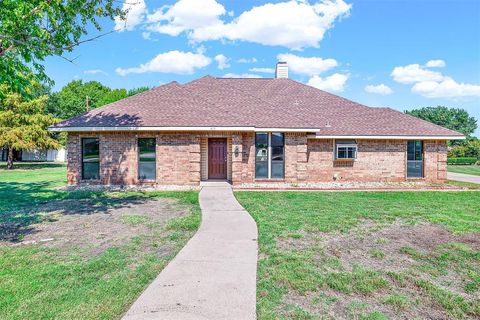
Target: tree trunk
x=10, y=158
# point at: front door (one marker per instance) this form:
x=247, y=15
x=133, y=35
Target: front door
x=217, y=158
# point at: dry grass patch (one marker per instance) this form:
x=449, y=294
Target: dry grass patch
x=395, y=270
x=91, y=226
x=370, y=255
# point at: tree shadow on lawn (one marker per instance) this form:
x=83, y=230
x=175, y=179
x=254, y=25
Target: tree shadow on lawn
x=22, y=205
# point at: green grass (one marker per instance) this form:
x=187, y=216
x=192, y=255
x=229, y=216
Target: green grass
x=399, y=301
x=467, y=169
x=468, y=185
x=282, y=270
x=41, y=283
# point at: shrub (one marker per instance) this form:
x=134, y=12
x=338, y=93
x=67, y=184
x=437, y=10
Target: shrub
x=469, y=149
x=463, y=160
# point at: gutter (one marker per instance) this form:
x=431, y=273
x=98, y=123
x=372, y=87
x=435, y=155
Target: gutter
x=384, y=137
x=141, y=129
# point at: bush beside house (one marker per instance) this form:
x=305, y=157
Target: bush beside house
x=465, y=154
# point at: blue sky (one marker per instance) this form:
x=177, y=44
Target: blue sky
x=402, y=54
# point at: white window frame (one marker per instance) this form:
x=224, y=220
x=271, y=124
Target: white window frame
x=350, y=145
x=269, y=155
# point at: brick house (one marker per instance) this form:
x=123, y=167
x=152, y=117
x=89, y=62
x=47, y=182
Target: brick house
x=248, y=131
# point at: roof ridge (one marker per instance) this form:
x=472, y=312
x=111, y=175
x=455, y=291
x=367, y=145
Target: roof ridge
x=329, y=93
x=171, y=83
x=425, y=121
x=268, y=102
x=201, y=97
x=136, y=96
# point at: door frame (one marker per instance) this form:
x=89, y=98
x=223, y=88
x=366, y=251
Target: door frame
x=208, y=157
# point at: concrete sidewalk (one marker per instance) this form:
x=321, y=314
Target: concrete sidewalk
x=214, y=275
x=463, y=177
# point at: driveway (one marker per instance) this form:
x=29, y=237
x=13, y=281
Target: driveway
x=463, y=177
x=214, y=275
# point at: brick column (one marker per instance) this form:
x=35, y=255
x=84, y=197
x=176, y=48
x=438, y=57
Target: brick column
x=442, y=161
x=194, y=156
x=237, y=155
x=302, y=148
x=74, y=150
x=435, y=161
x=295, y=157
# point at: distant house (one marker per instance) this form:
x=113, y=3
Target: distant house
x=50, y=155
x=250, y=130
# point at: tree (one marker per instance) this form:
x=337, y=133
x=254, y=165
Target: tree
x=470, y=149
x=134, y=91
x=31, y=30
x=451, y=118
x=112, y=96
x=23, y=123
x=70, y=101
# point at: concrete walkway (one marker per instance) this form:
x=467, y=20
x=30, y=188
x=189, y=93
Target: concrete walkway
x=463, y=177
x=214, y=275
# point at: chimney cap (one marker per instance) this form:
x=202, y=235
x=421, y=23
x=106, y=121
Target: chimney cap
x=281, y=70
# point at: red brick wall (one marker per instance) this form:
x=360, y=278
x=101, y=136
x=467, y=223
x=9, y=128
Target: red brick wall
x=295, y=157
x=377, y=160
x=248, y=158
x=435, y=160
x=306, y=160
x=178, y=158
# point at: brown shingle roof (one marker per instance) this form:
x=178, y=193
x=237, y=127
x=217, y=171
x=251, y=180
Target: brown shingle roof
x=260, y=103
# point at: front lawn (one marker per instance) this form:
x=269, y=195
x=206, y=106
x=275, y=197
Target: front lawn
x=472, y=169
x=367, y=255
x=83, y=255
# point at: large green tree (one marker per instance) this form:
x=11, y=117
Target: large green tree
x=71, y=100
x=24, y=123
x=112, y=96
x=452, y=118
x=134, y=91
x=31, y=30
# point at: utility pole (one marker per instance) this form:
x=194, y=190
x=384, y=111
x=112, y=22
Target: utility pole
x=87, y=102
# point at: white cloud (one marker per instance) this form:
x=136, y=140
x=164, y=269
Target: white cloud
x=148, y=36
x=447, y=88
x=433, y=84
x=247, y=60
x=334, y=83
x=379, y=89
x=137, y=9
x=177, y=62
x=436, y=63
x=293, y=24
x=186, y=15
x=309, y=66
x=95, y=71
x=262, y=70
x=415, y=73
x=243, y=75
x=222, y=61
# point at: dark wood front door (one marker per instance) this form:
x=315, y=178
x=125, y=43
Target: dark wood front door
x=217, y=158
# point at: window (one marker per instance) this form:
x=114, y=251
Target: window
x=90, y=159
x=345, y=149
x=277, y=146
x=261, y=155
x=146, y=158
x=415, y=159
x=269, y=155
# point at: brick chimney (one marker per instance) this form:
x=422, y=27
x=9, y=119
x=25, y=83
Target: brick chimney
x=281, y=71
